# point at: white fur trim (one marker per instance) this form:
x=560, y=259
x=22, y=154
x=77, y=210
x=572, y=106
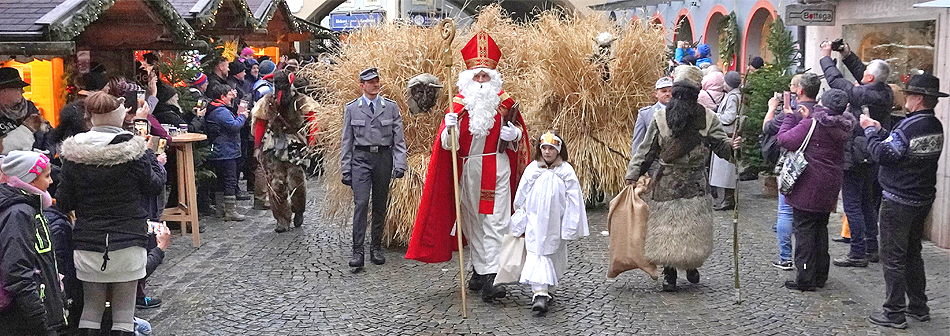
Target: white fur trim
x=93, y=148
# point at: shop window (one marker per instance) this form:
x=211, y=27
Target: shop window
x=907, y=46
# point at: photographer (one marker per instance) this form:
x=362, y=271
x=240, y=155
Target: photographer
x=872, y=91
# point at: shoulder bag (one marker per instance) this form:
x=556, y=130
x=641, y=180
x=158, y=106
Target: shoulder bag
x=795, y=163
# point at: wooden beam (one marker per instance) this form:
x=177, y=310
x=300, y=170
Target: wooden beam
x=38, y=48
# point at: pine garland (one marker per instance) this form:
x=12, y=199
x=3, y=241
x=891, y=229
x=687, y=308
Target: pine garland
x=729, y=38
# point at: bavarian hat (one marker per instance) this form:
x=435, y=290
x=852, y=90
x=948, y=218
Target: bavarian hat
x=926, y=84
x=10, y=78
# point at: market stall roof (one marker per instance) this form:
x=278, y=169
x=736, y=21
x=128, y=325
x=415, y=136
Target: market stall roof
x=317, y=31
x=39, y=21
x=934, y=4
x=217, y=17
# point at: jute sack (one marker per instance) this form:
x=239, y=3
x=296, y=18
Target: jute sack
x=627, y=224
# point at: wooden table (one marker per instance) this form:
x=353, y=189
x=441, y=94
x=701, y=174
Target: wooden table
x=186, y=212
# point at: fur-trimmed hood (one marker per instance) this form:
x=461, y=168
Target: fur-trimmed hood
x=100, y=147
x=824, y=116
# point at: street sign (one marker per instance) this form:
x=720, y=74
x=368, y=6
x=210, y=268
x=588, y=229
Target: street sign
x=810, y=15
x=348, y=21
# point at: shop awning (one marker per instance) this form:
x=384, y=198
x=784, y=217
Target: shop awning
x=934, y=4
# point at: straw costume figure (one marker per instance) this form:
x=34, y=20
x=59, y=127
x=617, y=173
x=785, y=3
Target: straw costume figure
x=680, y=138
x=281, y=148
x=493, y=152
x=549, y=211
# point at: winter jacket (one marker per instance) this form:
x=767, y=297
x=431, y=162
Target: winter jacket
x=28, y=266
x=61, y=233
x=260, y=89
x=768, y=141
x=908, y=158
x=172, y=115
x=106, y=173
x=704, y=50
x=816, y=189
x=713, y=91
x=224, y=132
x=877, y=96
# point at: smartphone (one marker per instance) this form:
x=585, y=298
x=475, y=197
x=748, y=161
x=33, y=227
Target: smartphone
x=131, y=101
x=242, y=106
x=140, y=95
x=786, y=98
x=141, y=125
x=794, y=101
x=200, y=104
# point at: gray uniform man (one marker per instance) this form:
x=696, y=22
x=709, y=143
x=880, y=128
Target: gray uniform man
x=373, y=152
x=663, y=91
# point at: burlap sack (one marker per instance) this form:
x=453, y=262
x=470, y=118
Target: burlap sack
x=627, y=223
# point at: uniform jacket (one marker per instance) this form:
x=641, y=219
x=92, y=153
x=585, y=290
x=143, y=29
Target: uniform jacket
x=106, y=173
x=28, y=266
x=224, y=132
x=908, y=157
x=362, y=127
x=878, y=97
x=816, y=189
x=644, y=118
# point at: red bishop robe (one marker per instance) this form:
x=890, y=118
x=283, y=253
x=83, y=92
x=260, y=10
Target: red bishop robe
x=432, y=239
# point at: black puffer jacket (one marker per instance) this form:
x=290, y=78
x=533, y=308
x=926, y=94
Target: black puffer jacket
x=28, y=267
x=106, y=173
x=877, y=96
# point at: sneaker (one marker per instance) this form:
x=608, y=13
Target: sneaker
x=847, y=261
x=880, y=318
x=785, y=265
x=919, y=317
x=147, y=302
x=874, y=257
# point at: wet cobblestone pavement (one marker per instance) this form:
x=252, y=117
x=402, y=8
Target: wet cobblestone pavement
x=247, y=280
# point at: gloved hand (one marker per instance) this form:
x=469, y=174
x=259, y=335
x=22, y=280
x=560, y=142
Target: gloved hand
x=509, y=132
x=451, y=119
x=348, y=179
x=399, y=173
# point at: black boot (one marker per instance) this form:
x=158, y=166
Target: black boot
x=121, y=333
x=669, y=277
x=357, y=259
x=298, y=219
x=692, y=275
x=476, y=282
x=376, y=255
x=490, y=291
x=540, y=304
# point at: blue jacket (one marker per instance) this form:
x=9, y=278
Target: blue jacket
x=224, y=133
x=908, y=157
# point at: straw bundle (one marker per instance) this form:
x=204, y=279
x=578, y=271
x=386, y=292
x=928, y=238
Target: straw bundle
x=546, y=66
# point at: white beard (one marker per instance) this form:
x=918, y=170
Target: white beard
x=480, y=99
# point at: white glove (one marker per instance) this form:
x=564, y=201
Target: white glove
x=510, y=132
x=451, y=119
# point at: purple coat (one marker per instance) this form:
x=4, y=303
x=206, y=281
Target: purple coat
x=817, y=187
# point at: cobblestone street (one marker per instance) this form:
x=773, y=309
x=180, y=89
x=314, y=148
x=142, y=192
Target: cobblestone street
x=247, y=280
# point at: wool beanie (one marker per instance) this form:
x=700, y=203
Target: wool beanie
x=688, y=74
x=165, y=92
x=200, y=79
x=733, y=79
x=105, y=110
x=266, y=68
x=247, y=51
x=757, y=62
x=835, y=100
x=24, y=165
x=235, y=67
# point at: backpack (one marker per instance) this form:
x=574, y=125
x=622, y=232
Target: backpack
x=6, y=298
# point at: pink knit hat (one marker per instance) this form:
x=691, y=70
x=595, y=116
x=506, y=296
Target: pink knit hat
x=247, y=51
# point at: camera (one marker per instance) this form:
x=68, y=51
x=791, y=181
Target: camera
x=837, y=45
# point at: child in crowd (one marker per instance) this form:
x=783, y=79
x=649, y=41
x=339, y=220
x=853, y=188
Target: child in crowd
x=32, y=298
x=549, y=212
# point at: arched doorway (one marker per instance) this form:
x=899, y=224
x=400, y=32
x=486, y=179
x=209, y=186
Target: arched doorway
x=757, y=32
x=657, y=19
x=711, y=36
x=683, y=29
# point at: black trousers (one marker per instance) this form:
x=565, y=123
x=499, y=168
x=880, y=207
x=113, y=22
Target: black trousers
x=371, y=173
x=902, y=227
x=811, y=247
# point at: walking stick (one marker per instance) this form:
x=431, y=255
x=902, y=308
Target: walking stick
x=735, y=195
x=448, y=35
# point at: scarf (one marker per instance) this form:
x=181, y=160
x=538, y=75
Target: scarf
x=17, y=112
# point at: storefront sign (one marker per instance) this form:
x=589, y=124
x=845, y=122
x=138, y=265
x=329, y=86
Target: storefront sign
x=810, y=15
x=348, y=21
x=425, y=19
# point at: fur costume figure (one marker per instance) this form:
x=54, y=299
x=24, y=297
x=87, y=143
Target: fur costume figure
x=680, y=137
x=280, y=142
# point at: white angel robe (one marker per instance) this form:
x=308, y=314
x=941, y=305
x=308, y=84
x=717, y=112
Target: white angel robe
x=549, y=211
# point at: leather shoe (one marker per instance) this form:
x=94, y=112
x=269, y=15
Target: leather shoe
x=376, y=256
x=791, y=284
x=476, y=282
x=357, y=259
x=540, y=304
x=692, y=275
x=490, y=291
x=850, y=262
x=880, y=318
